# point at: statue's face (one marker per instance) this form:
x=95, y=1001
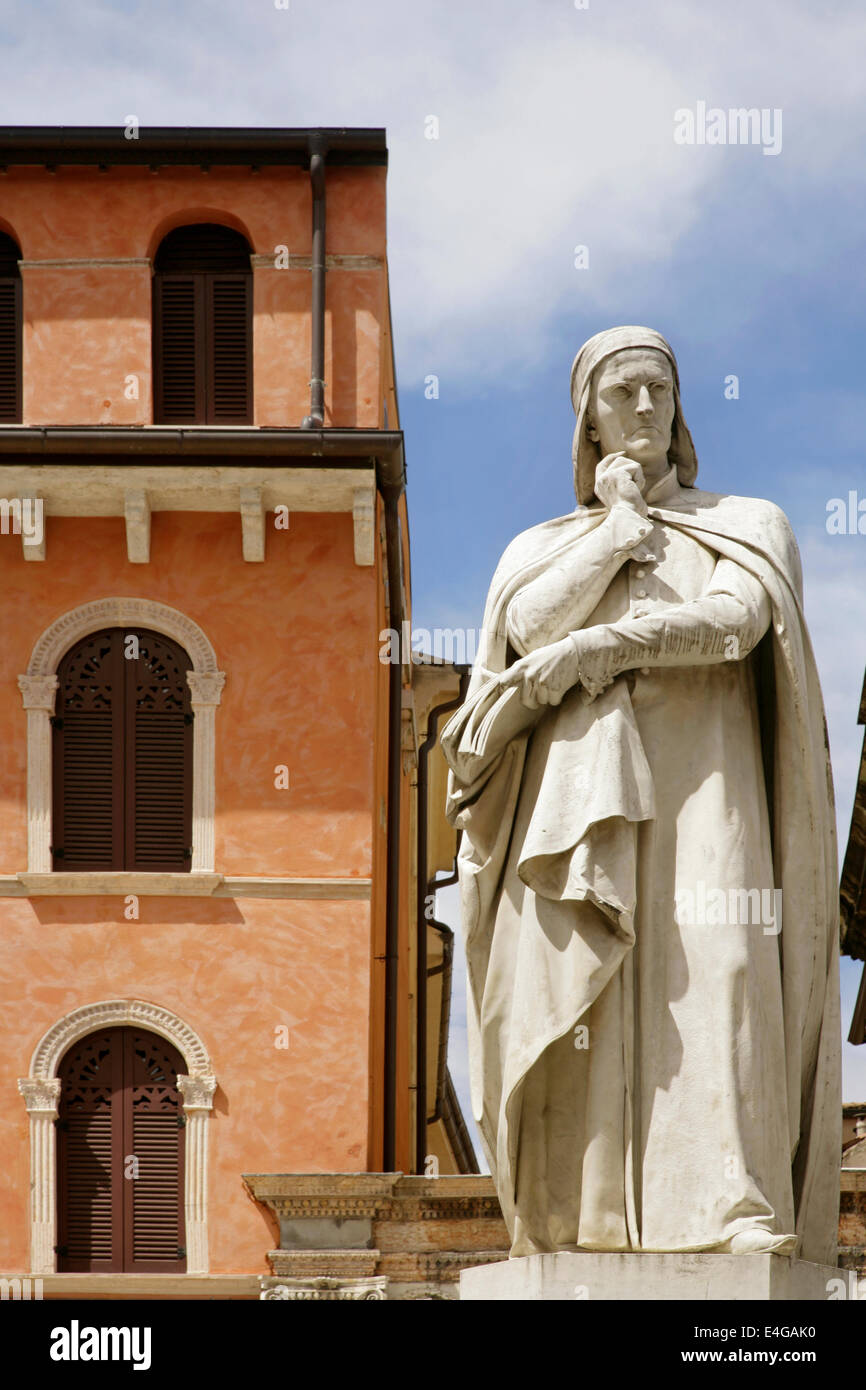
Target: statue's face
x=632, y=406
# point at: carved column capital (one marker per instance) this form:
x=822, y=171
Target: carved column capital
x=324, y=1289
x=38, y=692
x=197, y=1092
x=206, y=687
x=41, y=1094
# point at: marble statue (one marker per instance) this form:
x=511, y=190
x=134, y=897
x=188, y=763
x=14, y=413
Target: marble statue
x=648, y=861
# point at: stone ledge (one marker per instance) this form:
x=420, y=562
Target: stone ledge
x=192, y=885
x=156, y=1286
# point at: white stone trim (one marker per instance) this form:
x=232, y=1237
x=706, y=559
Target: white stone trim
x=65, y=631
x=205, y=682
x=136, y=511
x=333, y=261
x=129, y=490
x=28, y=549
x=120, y=883
x=364, y=522
x=41, y=1092
x=174, y=1286
x=252, y=510
x=85, y=263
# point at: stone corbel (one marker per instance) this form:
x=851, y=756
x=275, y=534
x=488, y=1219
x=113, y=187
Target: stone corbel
x=136, y=510
x=33, y=550
x=253, y=523
x=364, y=519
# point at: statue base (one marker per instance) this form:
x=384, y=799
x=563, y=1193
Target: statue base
x=569, y=1277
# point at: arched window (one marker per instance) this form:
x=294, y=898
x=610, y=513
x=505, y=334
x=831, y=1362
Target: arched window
x=202, y=328
x=120, y=1155
x=10, y=331
x=122, y=754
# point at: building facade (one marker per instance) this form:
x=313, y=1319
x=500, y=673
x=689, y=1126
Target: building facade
x=216, y=956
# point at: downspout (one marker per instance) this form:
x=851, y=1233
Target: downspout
x=391, y=490
x=423, y=888
x=316, y=418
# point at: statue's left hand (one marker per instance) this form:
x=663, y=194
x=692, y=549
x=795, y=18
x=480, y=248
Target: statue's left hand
x=545, y=676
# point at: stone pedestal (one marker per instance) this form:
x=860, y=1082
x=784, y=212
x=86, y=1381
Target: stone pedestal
x=568, y=1277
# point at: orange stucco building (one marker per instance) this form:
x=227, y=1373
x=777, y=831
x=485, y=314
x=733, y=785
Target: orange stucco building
x=269, y=932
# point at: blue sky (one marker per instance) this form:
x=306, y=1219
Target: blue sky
x=556, y=130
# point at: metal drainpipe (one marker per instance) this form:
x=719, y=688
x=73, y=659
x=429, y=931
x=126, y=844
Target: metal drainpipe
x=316, y=417
x=423, y=887
x=391, y=493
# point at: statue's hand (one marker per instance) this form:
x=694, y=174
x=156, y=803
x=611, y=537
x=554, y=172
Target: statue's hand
x=619, y=480
x=545, y=676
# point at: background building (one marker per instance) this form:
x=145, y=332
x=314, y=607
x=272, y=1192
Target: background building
x=216, y=954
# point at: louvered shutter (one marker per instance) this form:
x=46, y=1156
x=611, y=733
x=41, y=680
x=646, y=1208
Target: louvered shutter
x=121, y=1155
x=10, y=350
x=10, y=331
x=202, y=327
x=153, y=1219
x=89, y=1143
x=123, y=748
x=158, y=757
x=229, y=347
x=179, y=336
x=87, y=832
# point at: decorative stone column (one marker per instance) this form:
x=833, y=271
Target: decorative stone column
x=206, y=688
x=197, y=1092
x=41, y=1097
x=39, y=694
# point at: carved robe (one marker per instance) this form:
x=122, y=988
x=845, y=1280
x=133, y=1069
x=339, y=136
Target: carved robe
x=648, y=1074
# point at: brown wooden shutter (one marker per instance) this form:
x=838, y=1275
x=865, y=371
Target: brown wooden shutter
x=179, y=334
x=123, y=747
x=202, y=327
x=154, y=1216
x=88, y=1236
x=10, y=332
x=87, y=830
x=159, y=757
x=119, y=1102
x=230, y=349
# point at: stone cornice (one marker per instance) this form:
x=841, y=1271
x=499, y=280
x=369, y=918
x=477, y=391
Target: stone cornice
x=374, y=1196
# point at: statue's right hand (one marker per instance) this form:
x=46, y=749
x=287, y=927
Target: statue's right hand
x=618, y=480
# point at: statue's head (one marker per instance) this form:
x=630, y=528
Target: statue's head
x=625, y=393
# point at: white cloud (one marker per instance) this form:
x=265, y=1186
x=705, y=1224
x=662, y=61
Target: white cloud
x=556, y=130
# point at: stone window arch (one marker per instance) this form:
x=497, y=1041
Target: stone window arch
x=41, y=1090
x=38, y=688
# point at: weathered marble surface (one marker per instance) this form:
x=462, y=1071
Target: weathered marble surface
x=648, y=865
x=568, y=1278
